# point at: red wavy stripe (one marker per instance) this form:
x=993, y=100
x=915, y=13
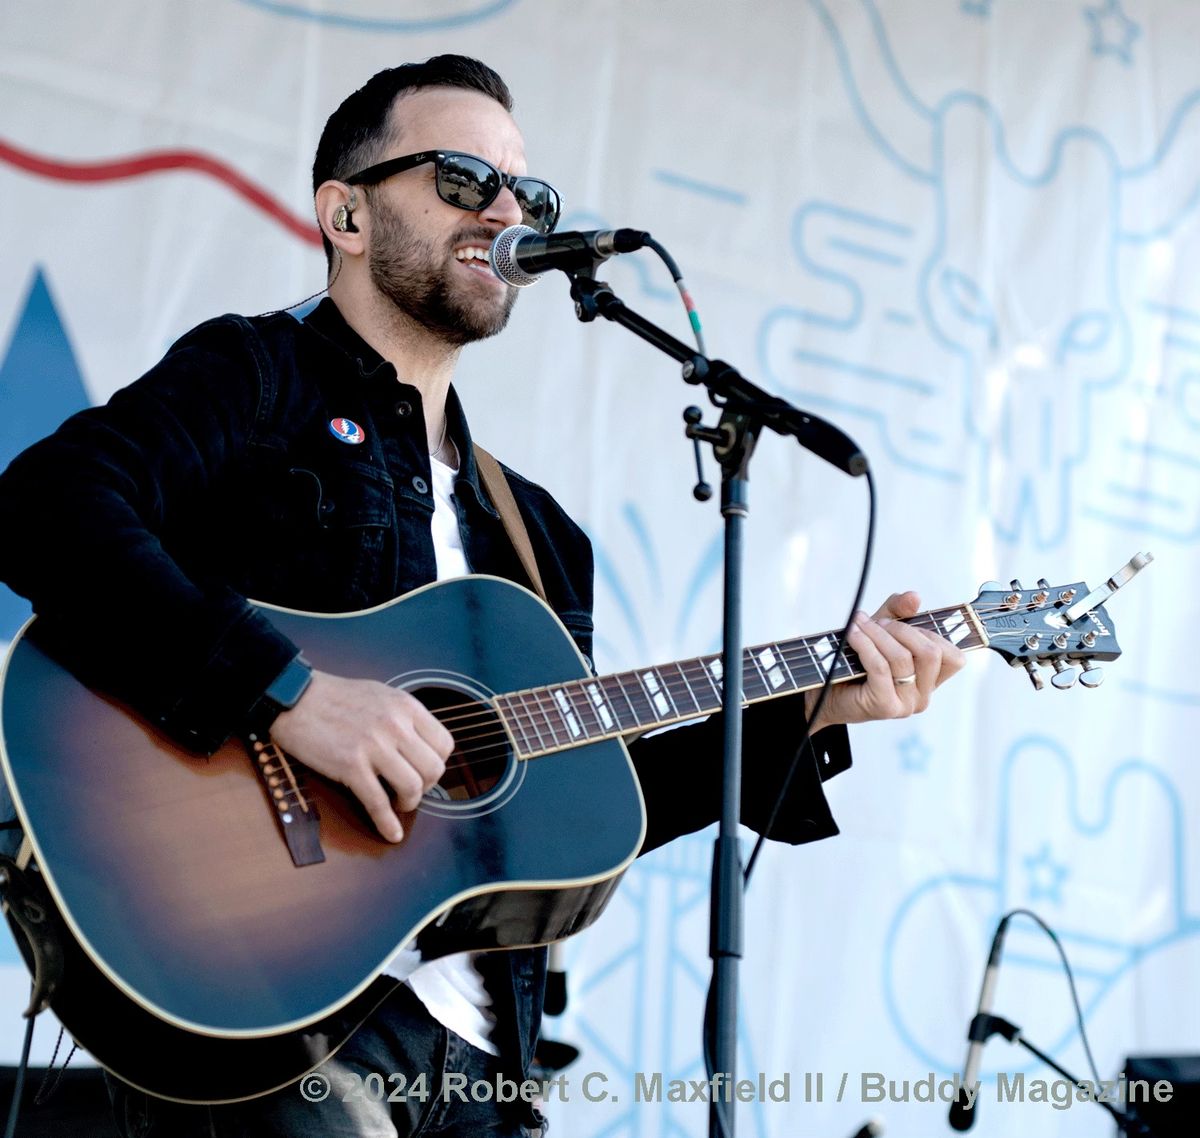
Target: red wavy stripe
x=158, y=162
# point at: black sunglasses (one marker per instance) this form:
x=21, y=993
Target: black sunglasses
x=473, y=183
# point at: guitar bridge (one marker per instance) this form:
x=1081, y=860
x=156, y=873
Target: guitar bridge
x=295, y=810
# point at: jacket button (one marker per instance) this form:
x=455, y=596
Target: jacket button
x=403, y=409
x=420, y=485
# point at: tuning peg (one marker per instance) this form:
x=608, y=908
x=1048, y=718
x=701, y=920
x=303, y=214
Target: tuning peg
x=1043, y=583
x=1065, y=675
x=1015, y=585
x=1092, y=677
x=1034, y=675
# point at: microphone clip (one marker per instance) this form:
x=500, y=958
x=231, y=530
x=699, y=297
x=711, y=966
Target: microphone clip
x=590, y=295
x=985, y=1025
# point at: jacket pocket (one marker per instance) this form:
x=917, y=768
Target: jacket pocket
x=328, y=538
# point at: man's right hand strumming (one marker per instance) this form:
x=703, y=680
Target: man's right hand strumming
x=357, y=732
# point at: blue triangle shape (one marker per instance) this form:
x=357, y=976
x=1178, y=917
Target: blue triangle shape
x=40, y=385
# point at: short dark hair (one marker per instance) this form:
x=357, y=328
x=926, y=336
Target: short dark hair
x=357, y=132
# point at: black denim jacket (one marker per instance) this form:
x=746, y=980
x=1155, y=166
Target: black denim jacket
x=215, y=477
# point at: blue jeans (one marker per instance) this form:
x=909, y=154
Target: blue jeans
x=400, y=1075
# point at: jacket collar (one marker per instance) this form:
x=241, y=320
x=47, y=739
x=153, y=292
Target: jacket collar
x=329, y=323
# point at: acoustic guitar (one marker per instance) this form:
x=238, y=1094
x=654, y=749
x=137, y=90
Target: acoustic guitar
x=225, y=921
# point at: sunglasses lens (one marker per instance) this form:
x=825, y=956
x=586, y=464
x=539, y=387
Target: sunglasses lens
x=471, y=183
x=539, y=203
x=467, y=182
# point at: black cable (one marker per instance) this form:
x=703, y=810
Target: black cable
x=47, y=1088
x=19, y=1082
x=805, y=745
x=1087, y=1048
x=688, y=304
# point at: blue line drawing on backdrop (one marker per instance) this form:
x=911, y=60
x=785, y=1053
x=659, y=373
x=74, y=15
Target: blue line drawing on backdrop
x=40, y=385
x=1166, y=695
x=915, y=753
x=695, y=186
x=1153, y=486
x=355, y=14
x=1047, y=876
x=1113, y=32
x=976, y=7
x=868, y=267
x=1076, y=869
x=633, y=587
x=1017, y=338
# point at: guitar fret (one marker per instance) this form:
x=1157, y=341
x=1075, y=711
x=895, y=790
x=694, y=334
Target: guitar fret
x=818, y=667
x=600, y=702
x=682, y=670
x=636, y=719
x=512, y=716
x=541, y=743
x=709, y=703
x=570, y=719
x=754, y=682
x=632, y=720
x=551, y=715
x=715, y=671
x=647, y=713
x=831, y=649
x=589, y=718
x=658, y=694
x=782, y=657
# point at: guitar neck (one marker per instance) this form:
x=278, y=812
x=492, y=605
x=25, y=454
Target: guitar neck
x=552, y=718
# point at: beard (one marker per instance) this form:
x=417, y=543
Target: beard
x=413, y=274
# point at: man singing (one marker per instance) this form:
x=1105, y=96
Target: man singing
x=324, y=463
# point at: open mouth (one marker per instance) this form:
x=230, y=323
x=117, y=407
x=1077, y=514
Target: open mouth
x=475, y=258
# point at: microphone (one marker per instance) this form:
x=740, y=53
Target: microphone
x=519, y=253
x=962, y=1109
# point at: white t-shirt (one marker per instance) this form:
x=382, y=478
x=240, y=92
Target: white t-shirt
x=450, y=987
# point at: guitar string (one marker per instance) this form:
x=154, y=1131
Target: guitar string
x=801, y=648
x=802, y=654
x=526, y=719
x=487, y=717
x=926, y=621
x=561, y=738
x=500, y=747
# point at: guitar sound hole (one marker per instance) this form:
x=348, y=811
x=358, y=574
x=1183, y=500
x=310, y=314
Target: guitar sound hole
x=482, y=758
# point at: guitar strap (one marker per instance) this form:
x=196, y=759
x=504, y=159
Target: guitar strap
x=498, y=489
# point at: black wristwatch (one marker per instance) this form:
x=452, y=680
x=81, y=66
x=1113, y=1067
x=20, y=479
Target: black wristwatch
x=284, y=692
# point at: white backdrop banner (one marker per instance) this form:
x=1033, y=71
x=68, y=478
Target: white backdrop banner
x=962, y=229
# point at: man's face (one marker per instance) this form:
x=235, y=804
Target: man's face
x=419, y=248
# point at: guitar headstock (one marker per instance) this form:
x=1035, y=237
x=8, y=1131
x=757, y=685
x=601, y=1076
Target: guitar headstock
x=1064, y=627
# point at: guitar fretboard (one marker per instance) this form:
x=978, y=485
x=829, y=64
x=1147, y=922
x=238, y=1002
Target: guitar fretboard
x=552, y=718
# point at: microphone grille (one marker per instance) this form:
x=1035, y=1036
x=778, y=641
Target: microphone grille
x=503, y=263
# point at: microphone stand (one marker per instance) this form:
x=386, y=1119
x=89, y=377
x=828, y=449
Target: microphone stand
x=985, y=1026
x=745, y=411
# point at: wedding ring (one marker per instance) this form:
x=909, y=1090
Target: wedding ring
x=906, y=679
